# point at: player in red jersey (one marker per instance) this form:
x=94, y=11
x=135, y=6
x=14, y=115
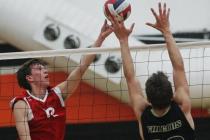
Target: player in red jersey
x=40, y=112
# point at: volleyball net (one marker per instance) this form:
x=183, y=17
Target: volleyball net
x=105, y=78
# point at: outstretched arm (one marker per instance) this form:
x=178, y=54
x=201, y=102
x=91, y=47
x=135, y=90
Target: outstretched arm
x=138, y=102
x=180, y=82
x=68, y=87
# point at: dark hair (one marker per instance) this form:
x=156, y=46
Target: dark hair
x=25, y=70
x=159, y=90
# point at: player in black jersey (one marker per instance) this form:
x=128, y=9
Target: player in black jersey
x=163, y=115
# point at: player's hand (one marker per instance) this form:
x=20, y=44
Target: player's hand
x=106, y=30
x=162, y=19
x=121, y=32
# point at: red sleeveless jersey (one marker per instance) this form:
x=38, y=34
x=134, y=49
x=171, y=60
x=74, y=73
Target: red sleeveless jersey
x=46, y=117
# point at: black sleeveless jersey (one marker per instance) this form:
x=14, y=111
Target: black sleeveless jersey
x=172, y=126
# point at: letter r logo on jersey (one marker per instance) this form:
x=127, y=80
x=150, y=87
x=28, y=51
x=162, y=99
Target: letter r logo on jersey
x=50, y=112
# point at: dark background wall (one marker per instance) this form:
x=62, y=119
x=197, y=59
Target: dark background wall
x=109, y=131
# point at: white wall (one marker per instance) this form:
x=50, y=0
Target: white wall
x=185, y=14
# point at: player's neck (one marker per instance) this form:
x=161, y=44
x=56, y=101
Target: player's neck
x=38, y=92
x=160, y=112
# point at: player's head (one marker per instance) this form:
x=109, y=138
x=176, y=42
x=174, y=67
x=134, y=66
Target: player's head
x=29, y=70
x=159, y=90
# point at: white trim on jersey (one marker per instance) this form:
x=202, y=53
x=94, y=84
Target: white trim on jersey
x=58, y=93
x=30, y=113
x=12, y=102
x=41, y=100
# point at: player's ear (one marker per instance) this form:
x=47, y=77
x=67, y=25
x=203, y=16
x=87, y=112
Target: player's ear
x=29, y=78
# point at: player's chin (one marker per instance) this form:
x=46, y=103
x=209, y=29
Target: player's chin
x=46, y=84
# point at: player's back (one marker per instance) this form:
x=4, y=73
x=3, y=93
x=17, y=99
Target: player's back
x=172, y=126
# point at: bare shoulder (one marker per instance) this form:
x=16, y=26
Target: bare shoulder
x=20, y=110
x=184, y=102
x=20, y=105
x=138, y=101
x=187, y=113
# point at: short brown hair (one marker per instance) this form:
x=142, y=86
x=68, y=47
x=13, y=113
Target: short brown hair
x=25, y=70
x=159, y=90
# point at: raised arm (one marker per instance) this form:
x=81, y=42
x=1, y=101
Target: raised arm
x=138, y=102
x=70, y=84
x=180, y=82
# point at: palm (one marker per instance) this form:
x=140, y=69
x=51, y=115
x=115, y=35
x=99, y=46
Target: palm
x=161, y=23
x=120, y=30
x=105, y=30
x=162, y=20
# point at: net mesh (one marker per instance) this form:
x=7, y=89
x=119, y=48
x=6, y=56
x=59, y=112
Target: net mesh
x=102, y=95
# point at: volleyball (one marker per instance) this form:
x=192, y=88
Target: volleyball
x=121, y=9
